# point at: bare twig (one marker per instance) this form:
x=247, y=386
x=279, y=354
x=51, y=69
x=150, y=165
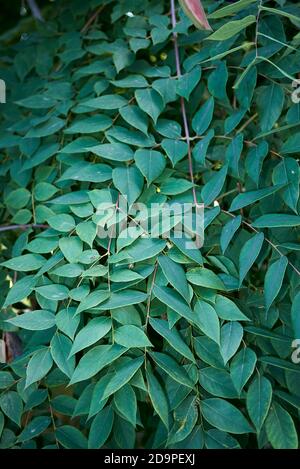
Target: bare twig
x=23, y=227
x=182, y=103
x=92, y=19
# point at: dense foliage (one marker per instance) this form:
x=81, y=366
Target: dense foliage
x=140, y=341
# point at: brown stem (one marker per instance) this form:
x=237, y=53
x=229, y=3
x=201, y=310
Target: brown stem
x=91, y=19
x=23, y=227
x=182, y=103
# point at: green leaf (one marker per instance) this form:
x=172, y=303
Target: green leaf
x=172, y=299
x=287, y=172
x=187, y=82
x=172, y=368
x=25, y=263
x=34, y=320
x=289, y=398
x=12, y=406
x=87, y=231
x=158, y=398
x=37, y=426
x=188, y=248
x=123, y=298
x=107, y=102
x=175, y=274
x=62, y=222
x=134, y=116
x=79, y=145
x=254, y=161
x=280, y=428
x=101, y=428
x=217, y=382
x=208, y=351
x=129, y=182
x=67, y=322
x=44, y=191
x=70, y=437
x=38, y=366
x=71, y=247
x=68, y=270
x=259, y=396
x=95, y=360
x=173, y=337
x=91, y=333
x=6, y=379
x=150, y=102
x=233, y=154
x=216, y=439
x=258, y=331
x=249, y=254
x=112, y=151
x=126, y=403
x=151, y=163
x=200, y=149
x=230, y=9
x=131, y=81
x=231, y=28
x=53, y=292
x=50, y=127
x=231, y=337
x=87, y=172
x=229, y=231
x=168, y=128
x=295, y=316
x=37, y=102
x=242, y=367
x=1, y=423
x=123, y=374
x=204, y=278
x=18, y=198
x=228, y=310
x=270, y=103
x=175, y=149
x=276, y=220
x=174, y=186
x=203, y=117
x=60, y=347
x=92, y=300
x=213, y=187
x=130, y=137
x=89, y=125
x=207, y=320
x=224, y=416
x=249, y=198
x=292, y=145
x=273, y=280
x=20, y=290
x=131, y=336
x=279, y=363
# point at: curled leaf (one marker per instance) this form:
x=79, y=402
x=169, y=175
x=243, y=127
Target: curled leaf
x=195, y=11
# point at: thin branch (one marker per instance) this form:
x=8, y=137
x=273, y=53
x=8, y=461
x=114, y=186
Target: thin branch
x=92, y=19
x=182, y=103
x=266, y=239
x=23, y=227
